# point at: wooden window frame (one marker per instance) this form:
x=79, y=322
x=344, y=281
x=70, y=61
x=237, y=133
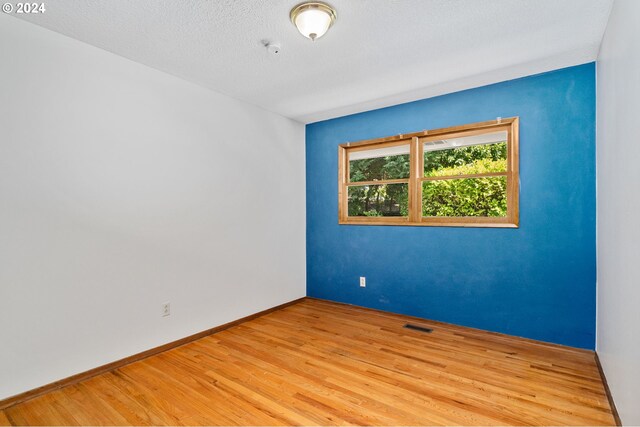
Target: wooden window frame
x=416, y=157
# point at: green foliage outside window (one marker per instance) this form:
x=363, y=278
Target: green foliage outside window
x=478, y=197
x=494, y=156
x=379, y=168
x=473, y=197
x=379, y=200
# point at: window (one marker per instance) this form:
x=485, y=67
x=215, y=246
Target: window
x=464, y=176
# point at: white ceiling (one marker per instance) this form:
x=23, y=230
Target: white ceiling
x=379, y=52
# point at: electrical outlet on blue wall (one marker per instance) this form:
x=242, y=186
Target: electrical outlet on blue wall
x=537, y=281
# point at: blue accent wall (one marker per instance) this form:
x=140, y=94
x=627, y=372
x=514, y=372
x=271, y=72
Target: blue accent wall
x=537, y=281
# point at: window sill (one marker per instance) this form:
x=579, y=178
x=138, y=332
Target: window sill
x=429, y=223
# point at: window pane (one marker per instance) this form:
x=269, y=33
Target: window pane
x=466, y=155
x=477, y=197
x=379, y=164
x=379, y=200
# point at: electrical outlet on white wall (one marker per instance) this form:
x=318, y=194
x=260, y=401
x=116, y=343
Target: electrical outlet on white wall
x=363, y=282
x=166, y=309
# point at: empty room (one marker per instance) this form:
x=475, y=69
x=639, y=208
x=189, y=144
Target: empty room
x=351, y=212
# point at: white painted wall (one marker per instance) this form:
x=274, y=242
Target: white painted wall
x=618, y=342
x=121, y=188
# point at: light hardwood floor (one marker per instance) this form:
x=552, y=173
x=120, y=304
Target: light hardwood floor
x=320, y=363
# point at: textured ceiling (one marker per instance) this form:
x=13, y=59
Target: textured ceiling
x=379, y=52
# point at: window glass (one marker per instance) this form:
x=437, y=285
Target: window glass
x=378, y=200
x=460, y=176
x=379, y=164
x=467, y=155
x=470, y=197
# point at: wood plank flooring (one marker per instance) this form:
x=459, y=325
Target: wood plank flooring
x=320, y=363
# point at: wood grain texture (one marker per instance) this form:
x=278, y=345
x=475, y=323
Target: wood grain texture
x=322, y=363
x=128, y=360
x=430, y=133
x=612, y=404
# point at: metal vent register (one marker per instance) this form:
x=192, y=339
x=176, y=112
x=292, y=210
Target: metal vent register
x=418, y=328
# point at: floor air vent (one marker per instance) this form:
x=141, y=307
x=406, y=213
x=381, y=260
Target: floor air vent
x=418, y=328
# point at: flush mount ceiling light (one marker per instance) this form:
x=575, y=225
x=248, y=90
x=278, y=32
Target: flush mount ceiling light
x=313, y=19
